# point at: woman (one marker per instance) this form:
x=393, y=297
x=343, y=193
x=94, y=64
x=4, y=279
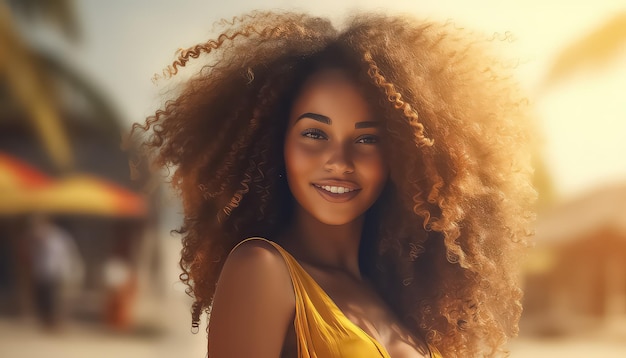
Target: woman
x=381, y=172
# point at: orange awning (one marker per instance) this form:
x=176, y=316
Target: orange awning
x=86, y=194
x=23, y=190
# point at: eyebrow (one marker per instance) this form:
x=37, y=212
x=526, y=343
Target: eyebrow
x=370, y=124
x=315, y=116
x=326, y=120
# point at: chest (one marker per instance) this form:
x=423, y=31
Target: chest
x=363, y=306
x=359, y=303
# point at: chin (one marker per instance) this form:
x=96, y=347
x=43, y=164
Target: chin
x=335, y=220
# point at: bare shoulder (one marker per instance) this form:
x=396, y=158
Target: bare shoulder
x=253, y=304
x=257, y=258
x=256, y=251
x=256, y=265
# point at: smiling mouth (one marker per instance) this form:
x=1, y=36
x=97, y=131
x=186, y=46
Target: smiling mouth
x=336, y=194
x=334, y=189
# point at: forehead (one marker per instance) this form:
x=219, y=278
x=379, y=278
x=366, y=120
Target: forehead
x=334, y=94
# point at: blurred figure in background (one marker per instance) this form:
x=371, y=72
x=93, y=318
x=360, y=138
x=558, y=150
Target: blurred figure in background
x=120, y=276
x=57, y=270
x=121, y=284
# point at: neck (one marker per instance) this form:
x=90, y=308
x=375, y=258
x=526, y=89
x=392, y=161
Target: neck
x=331, y=247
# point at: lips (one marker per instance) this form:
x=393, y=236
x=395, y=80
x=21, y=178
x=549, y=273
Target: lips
x=337, y=192
x=336, y=189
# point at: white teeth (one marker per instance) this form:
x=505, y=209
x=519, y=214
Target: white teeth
x=336, y=189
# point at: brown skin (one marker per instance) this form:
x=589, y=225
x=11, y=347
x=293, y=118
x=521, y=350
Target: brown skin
x=245, y=327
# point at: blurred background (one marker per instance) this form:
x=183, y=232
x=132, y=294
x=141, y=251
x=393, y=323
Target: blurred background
x=87, y=261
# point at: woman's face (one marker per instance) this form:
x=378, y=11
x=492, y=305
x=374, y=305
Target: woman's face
x=333, y=151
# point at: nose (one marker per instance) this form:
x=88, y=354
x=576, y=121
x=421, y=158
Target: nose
x=340, y=159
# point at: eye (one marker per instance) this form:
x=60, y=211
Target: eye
x=314, y=133
x=368, y=139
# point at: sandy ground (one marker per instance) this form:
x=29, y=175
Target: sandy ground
x=570, y=348
x=173, y=338
x=23, y=341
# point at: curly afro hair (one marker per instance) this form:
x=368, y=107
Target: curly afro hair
x=442, y=242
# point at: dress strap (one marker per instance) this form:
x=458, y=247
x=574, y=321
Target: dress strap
x=433, y=351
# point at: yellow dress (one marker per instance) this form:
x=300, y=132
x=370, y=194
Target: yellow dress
x=322, y=330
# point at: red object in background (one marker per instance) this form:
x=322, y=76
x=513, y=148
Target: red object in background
x=15, y=172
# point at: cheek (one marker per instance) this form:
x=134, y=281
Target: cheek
x=376, y=169
x=298, y=158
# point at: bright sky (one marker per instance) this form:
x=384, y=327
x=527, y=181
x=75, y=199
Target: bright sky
x=583, y=119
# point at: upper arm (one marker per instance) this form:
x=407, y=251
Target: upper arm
x=253, y=304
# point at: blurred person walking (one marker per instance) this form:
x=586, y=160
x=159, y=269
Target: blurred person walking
x=57, y=270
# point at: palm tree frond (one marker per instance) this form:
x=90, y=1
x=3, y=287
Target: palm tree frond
x=593, y=51
x=24, y=79
x=60, y=13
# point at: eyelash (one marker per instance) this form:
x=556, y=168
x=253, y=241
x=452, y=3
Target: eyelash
x=369, y=139
x=314, y=133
